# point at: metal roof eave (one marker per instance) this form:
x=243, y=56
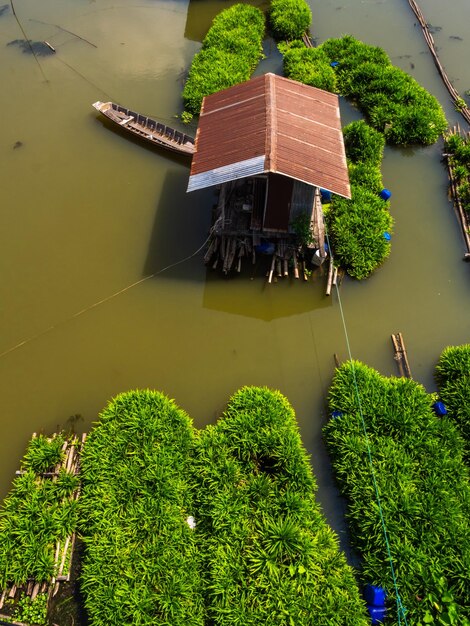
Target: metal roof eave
x=226, y=173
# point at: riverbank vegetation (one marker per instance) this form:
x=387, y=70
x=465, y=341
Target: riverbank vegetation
x=359, y=229
x=453, y=379
x=387, y=426
x=219, y=526
x=230, y=52
x=289, y=19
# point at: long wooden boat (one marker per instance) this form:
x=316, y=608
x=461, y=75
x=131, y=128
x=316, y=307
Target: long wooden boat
x=147, y=128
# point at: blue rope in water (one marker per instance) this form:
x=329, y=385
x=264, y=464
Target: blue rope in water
x=401, y=611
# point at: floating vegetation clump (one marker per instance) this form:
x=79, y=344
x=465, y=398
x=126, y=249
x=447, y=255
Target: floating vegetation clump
x=424, y=491
x=230, y=52
x=453, y=379
x=458, y=150
x=358, y=227
x=142, y=563
x=219, y=527
x=289, y=19
x=308, y=65
x=393, y=101
x=269, y=555
x=37, y=524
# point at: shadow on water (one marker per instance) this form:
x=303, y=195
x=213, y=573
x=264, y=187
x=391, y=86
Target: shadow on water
x=180, y=229
x=38, y=48
x=249, y=294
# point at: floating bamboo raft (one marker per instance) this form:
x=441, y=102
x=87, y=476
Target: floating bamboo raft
x=401, y=356
x=64, y=549
x=463, y=218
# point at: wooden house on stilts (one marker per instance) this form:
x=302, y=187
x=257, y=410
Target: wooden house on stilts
x=269, y=146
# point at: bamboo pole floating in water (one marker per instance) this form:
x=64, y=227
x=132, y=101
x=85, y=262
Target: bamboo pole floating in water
x=465, y=112
x=400, y=355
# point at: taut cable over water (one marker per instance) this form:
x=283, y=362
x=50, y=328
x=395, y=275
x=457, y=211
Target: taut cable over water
x=104, y=300
x=27, y=40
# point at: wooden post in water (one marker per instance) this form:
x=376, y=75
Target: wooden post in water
x=400, y=356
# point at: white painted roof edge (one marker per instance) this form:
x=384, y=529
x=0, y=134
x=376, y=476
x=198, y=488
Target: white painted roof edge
x=226, y=173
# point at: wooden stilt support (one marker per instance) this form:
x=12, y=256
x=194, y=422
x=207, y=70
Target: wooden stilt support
x=271, y=271
x=2, y=599
x=296, y=267
x=330, y=277
x=400, y=355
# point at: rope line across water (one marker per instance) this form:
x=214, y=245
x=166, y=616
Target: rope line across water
x=104, y=300
x=401, y=611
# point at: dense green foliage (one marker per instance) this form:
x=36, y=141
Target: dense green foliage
x=393, y=102
x=356, y=231
x=289, y=19
x=43, y=454
x=309, y=65
x=142, y=564
x=260, y=552
x=423, y=486
x=35, y=515
x=270, y=557
x=363, y=144
x=356, y=227
x=458, y=149
x=230, y=52
x=453, y=378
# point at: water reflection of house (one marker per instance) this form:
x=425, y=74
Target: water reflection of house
x=269, y=145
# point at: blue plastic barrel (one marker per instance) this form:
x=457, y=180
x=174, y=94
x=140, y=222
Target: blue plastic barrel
x=377, y=614
x=325, y=195
x=385, y=194
x=374, y=595
x=334, y=63
x=265, y=248
x=439, y=408
x=387, y=236
x=336, y=414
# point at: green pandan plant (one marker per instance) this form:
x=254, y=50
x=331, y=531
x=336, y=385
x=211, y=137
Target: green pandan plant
x=289, y=19
x=230, y=52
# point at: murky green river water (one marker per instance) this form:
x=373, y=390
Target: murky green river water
x=86, y=212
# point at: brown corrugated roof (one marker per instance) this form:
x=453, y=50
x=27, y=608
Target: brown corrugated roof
x=271, y=124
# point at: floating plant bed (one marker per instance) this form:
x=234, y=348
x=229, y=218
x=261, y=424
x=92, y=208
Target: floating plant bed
x=37, y=528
